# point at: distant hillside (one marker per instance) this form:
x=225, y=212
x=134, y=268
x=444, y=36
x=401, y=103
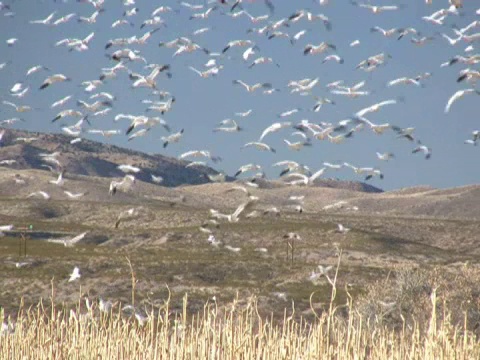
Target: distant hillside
x=326, y=183
x=348, y=185
x=93, y=158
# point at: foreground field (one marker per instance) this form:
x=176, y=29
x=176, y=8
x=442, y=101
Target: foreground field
x=228, y=332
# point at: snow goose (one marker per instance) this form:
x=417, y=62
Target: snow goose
x=260, y=146
x=376, y=9
x=35, y=69
x=385, y=156
x=59, y=181
x=235, y=216
x=41, y=194
x=246, y=168
x=200, y=153
x=311, y=49
x=18, y=108
x=126, y=168
x=403, y=81
x=173, y=138
x=54, y=79
x=404, y=132
x=338, y=139
x=233, y=128
x=64, y=19
x=342, y=229
x=252, y=88
x=75, y=274
x=425, y=149
x=386, y=33
x=262, y=60
x=303, y=179
x=297, y=145
x=69, y=242
x=73, y=196
x=274, y=128
x=374, y=108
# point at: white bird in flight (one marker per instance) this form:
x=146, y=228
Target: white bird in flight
x=126, y=168
x=41, y=194
x=274, y=128
x=342, y=229
x=252, y=88
x=235, y=216
x=69, y=242
x=59, y=181
x=173, y=138
x=260, y=146
x=75, y=274
x=425, y=149
x=54, y=79
x=73, y=195
x=303, y=179
x=375, y=107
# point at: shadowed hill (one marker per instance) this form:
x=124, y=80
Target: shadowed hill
x=93, y=158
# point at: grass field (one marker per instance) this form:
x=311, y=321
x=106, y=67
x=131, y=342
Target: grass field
x=231, y=331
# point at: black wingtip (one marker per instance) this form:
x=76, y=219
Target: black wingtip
x=129, y=130
x=461, y=78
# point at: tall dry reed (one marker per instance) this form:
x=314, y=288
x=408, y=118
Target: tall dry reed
x=235, y=331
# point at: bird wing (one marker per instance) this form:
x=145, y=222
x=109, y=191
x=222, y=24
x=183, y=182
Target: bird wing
x=156, y=70
x=243, y=207
x=298, y=175
x=56, y=241
x=241, y=83
x=389, y=7
x=88, y=38
x=269, y=129
x=452, y=99
x=195, y=70
x=358, y=85
x=317, y=174
x=363, y=112
x=77, y=238
x=395, y=82
x=241, y=188
x=9, y=103
x=387, y=102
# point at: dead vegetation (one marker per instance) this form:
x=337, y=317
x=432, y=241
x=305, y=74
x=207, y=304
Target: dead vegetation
x=233, y=329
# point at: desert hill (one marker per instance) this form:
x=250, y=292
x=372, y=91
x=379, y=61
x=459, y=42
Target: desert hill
x=94, y=158
x=97, y=159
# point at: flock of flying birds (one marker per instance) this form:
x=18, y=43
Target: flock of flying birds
x=124, y=56
x=86, y=114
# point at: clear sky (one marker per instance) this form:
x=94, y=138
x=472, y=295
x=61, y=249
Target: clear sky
x=201, y=103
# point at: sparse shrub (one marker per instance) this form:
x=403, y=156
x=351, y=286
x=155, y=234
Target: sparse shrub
x=406, y=293
x=48, y=211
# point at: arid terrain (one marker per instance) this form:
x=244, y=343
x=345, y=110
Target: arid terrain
x=389, y=231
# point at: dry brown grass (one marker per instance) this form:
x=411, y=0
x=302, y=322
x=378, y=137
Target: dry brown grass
x=235, y=331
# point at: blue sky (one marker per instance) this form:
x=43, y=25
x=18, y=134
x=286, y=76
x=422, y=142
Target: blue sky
x=202, y=103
